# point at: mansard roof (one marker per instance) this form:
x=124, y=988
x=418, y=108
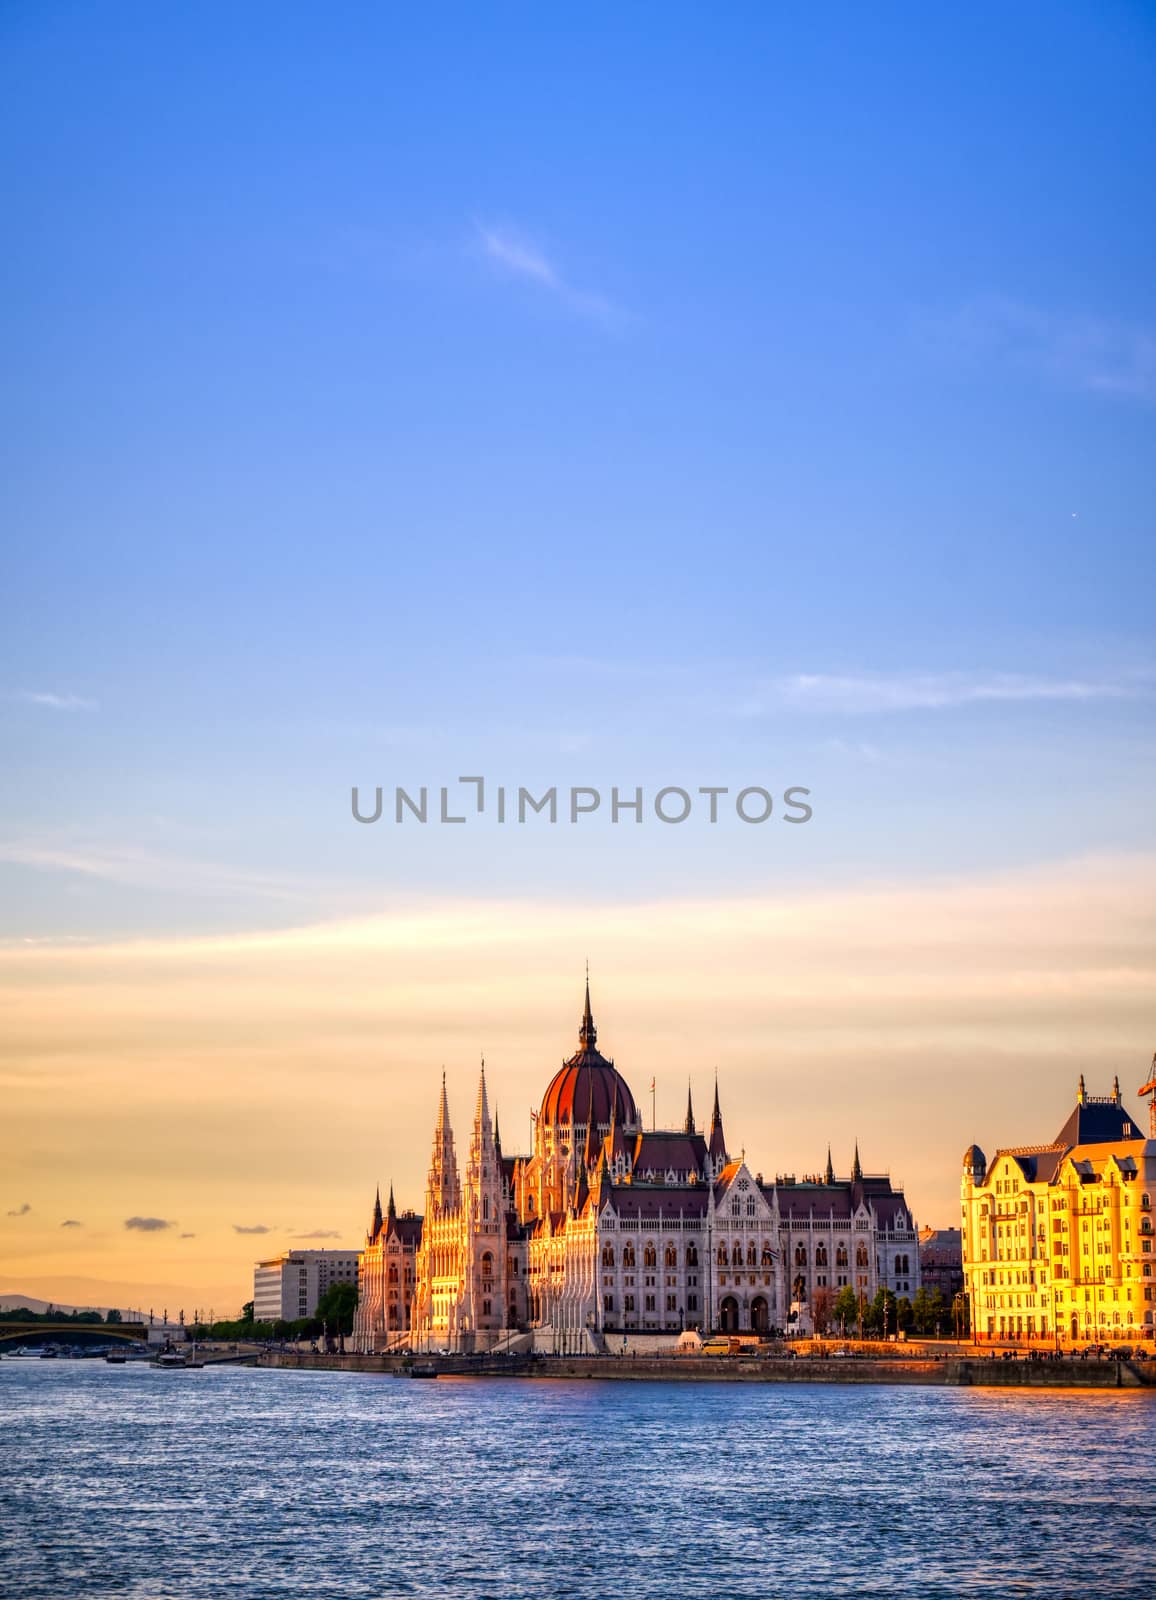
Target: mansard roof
x=664, y=1152
x=1098, y=1121
x=407, y=1228
x=648, y=1202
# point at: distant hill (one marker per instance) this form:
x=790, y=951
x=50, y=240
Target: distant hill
x=26, y=1302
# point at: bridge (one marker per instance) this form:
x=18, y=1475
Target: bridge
x=38, y=1332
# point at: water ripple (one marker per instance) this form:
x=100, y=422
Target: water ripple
x=147, y=1485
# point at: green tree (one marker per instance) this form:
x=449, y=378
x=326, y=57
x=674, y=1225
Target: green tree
x=337, y=1305
x=904, y=1314
x=247, y=1311
x=919, y=1310
x=845, y=1311
x=113, y=1315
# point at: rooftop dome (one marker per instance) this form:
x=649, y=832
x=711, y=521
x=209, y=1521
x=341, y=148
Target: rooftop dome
x=587, y=1085
x=974, y=1159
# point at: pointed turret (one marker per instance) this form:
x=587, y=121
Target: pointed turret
x=688, y=1125
x=829, y=1175
x=443, y=1121
x=615, y=1141
x=856, y=1169
x=375, y=1224
x=718, y=1144
x=392, y=1211
x=593, y=1143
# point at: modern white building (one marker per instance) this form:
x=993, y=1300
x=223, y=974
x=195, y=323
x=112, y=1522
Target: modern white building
x=289, y=1286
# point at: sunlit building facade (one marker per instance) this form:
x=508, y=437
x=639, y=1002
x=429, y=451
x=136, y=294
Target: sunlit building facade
x=607, y=1231
x=1057, y=1237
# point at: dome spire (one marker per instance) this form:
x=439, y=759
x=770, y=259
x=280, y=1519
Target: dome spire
x=587, y=1033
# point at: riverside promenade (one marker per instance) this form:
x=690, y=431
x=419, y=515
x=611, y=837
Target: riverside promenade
x=942, y=1371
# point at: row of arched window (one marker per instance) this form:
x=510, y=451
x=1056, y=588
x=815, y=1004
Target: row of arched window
x=753, y=1255
x=841, y=1258
x=650, y=1256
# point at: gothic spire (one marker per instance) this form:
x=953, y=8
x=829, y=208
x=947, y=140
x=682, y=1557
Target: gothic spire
x=688, y=1125
x=856, y=1169
x=829, y=1175
x=375, y=1225
x=392, y=1212
x=482, y=1114
x=718, y=1144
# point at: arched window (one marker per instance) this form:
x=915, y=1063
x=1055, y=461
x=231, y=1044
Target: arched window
x=650, y=1256
x=737, y=1252
x=485, y=1208
x=841, y=1256
x=800, y=1255
x=861, y=1256
x=670, y=1256
x=628, y=1255
x=752, y=1254
x=821, y=1255
x=393, y=1273
x=691, y=1255
x=736, y=1206
x=722, y=1255
x=487, y=1265
x=608, y=1255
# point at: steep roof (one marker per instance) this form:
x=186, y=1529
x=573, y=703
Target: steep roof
x=1096, y=1121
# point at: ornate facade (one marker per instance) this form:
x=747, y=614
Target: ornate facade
x=1058, y=1237
x=607, y=1231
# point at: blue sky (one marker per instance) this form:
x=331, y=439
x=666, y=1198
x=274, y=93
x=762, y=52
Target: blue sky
x=573, y=397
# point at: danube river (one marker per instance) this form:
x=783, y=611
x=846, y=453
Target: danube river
x=144, y=1485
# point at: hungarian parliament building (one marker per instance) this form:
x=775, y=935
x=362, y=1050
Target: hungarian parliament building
x=609, y=1232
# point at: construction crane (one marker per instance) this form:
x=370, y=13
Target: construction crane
x=1149, y=1089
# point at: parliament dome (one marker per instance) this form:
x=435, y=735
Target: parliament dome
x=587, y=1086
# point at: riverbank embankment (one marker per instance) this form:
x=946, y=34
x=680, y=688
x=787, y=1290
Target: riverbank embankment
x=964, y=1372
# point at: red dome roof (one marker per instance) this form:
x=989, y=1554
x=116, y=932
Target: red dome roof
x=586, y=1080
x=588, y=1087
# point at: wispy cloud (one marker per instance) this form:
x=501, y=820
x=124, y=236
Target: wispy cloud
x=515, y=256
x=139, y=868
x=868, y=694
x=54, y=702
x=319, y=1233
x=186, y=1236
x=1099, y=354
x=21, y=1211
x=72, y=1223
x=256, y=1227
x=147, y=1224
